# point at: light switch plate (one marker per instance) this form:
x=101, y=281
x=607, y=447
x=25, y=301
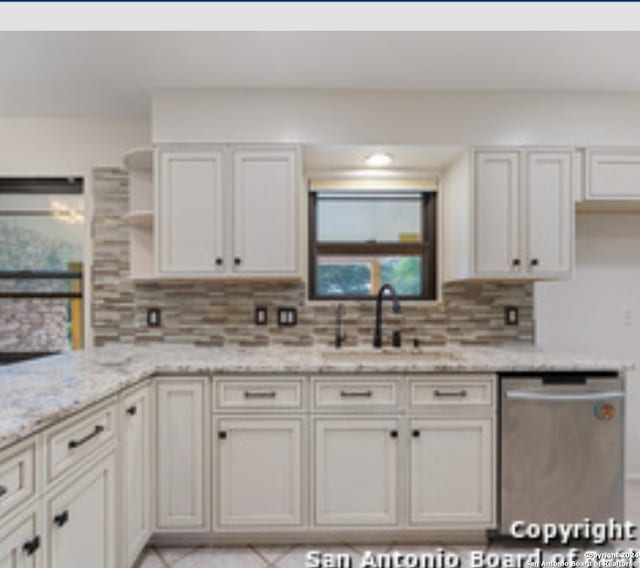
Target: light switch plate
x=287, y=317
x=154, y=317
x=511, y=315
x=261, y=315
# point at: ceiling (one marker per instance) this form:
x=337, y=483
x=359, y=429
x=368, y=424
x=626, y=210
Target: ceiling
x=114, y=73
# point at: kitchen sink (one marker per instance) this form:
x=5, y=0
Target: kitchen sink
x=382, y=355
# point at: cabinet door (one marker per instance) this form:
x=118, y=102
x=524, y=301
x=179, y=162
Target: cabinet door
x=451, y=472
x=181, y=477
x=356, y=471
x=189, y=214
x=550, y=213
x=80, y=521
x=259, y=477
x=265, y=213
x=136, y=472
x=21, y=543
x=497, y=240
x=612, y=174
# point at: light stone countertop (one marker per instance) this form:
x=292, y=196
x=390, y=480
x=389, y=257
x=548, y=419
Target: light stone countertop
x=35, y=394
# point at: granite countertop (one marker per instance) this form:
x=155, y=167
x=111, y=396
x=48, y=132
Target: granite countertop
x=38, y=393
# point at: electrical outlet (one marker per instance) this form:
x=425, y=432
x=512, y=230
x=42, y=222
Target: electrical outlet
x=154, y=317
x=511, y=315
x=287, y=317
x=261, y=315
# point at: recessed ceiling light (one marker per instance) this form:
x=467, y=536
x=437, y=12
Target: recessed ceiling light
x=379, y=160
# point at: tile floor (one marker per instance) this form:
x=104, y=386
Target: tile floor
x=294, y=556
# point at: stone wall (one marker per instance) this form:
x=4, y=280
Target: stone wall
x=218, y=313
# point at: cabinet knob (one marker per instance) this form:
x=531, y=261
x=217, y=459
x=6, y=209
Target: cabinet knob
x=535, y=262
x=31, y=545
x=237, y=260
x=132, y=410
x=61, y=519
x=219, y=261
x=393, y=433
x=222, y=435
x=415, y=433
x=3, y=491
x=515, y=262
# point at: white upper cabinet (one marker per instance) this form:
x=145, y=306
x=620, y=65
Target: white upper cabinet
x=496, y=215
x=550, y=213
x=612, y=174
x=509, y=214
x=265, y=212
x=227, y=212
x=190, y=213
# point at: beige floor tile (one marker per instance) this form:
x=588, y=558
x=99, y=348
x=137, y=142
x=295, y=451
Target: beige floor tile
x=297, y=558
x=150, y=559
x=171, y=554
x=273, y=553
x=237, y=557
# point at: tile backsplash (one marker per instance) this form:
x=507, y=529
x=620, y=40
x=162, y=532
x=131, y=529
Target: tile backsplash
x=218, y=313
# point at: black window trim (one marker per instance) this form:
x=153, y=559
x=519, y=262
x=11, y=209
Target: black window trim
x=426, y=249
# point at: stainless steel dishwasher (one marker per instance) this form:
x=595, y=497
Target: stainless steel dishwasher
x=561, y=448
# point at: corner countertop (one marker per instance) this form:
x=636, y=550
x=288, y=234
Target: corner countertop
x=35, y=394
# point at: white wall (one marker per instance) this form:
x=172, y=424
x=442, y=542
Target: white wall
x=369, y=117
x=69, y=146
x=598, y=312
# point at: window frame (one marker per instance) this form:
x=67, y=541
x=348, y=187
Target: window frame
x=70, y=185
x=426, y=249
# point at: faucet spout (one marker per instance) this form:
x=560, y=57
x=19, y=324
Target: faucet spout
x=377, y=334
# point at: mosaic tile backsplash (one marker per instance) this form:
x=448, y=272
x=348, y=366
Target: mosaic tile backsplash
x=221, y=313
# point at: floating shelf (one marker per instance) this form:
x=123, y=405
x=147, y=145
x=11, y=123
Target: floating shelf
x=139, y=164
x=140, y=219
x=139, y=159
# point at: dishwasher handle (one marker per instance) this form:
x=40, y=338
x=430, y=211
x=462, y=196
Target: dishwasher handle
x=562, y=396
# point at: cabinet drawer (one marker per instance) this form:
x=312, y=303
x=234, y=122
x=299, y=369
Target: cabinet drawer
x=248, y=393
x=78, y=438
x=360, y=393
x=17, y=476
x=452, y=391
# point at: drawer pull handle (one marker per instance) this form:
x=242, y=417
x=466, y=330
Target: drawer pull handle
x=62, y=519
x=132, y=410
x=259, y=394
x=73, y=444
x=3, y=491
x=352, y=394
x=31, y=545
x=461, y=393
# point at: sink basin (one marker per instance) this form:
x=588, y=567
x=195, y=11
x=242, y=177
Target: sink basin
x=383, y=355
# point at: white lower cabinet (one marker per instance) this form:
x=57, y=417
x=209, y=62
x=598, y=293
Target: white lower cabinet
x=135, y=452
x=451, y=471
x=356, y=462
x=182, y=455
x=21, y=542
x=80, y=520
x=259, y=475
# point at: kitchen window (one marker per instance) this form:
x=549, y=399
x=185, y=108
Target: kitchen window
x=362, y=238
x=41, y=262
